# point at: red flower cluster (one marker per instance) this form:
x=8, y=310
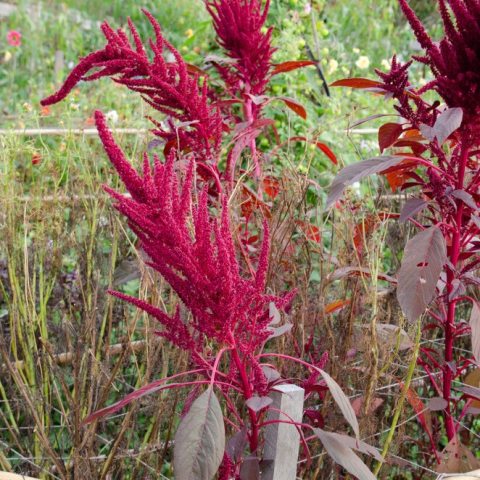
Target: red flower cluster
x=455, y=60
x=192, y=250
x=171, y=87
x=239, y=26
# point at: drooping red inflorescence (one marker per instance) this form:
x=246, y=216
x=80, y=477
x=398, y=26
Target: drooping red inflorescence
x=196, y=255
x=169, y=86
x=239, y=25
x=455, y=60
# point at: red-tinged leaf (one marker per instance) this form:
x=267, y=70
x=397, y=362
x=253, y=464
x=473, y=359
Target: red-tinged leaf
x=271, y=186
x=362, y=230
x=200, y=439
x=141, y=392
x=342, y=454
x=475, y=327
x=295, y=106
x=356, y=171
x=457, y=458
x=312, y=232
x=326, y=150
x=320, y=145
x=337, y=305
x=342, y=401
x=388, y=134
x=193, y=69
x=423, y=414
x=258, y=403
x=357, y=405
x=356, y=83
x=466, y=198
x=396, y=179
x=423, y=260
x=252, y=203
x=289, y=66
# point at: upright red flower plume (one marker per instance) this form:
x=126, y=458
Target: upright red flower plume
x=192, y=250
x=239, y=25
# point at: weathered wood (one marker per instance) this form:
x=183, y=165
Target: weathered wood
x=14, y=476
x=6, y=9
x=282, y=440
x=475, y=475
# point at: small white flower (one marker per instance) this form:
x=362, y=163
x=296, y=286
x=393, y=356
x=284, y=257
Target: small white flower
x=363, y=62
x=356, y=50
x=386, y=64
x=7, y=56
x=422, y=82
x=112, y=116
x=70, y=65
x=356, y=188
x=332, y=66
x=307, y=9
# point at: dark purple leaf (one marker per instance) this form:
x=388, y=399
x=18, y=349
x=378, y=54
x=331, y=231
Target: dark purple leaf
x=236, y=445
x=447, y=122
x=355, y=172
x=466, y=198
x=411, y=208
x=200, y=439
x=258, y=403
x=436, y=404
x=423, y=261
x=358, y=445
x=250, y=469
x=342, y=401
x=344, y=455
x=470, y=391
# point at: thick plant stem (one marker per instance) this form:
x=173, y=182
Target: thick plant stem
x=456, y=247
x=253, y=436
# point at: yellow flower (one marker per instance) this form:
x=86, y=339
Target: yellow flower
x=363, y=62
x=7, y=56
x=332, y=66
x=27, y=107
x=356, y=50
x=189, y=33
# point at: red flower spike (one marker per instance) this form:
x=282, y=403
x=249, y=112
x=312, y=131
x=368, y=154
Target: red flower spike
x=193, y=123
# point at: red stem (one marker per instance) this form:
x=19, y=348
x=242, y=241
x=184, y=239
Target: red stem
x=247, y=392
x=455, y=250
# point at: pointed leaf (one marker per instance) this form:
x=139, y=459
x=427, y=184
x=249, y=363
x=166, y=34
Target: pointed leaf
x=355, y=444
x=236, y=445
x=326, y=150
x=342, y=401
x=295, y=106
x=200, y=440
x=258, y=403
x=412, y=207
x=388, y=134
x=278, y=331
x=466, y=198
x=423, y=261
x=356, y=83
x=447, y=122
x=343, y=455
x=356, y=171
x=289, y=66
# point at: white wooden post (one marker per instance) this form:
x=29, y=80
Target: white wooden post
x=282, y=441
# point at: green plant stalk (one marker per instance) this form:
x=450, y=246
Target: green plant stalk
x=403, y=395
